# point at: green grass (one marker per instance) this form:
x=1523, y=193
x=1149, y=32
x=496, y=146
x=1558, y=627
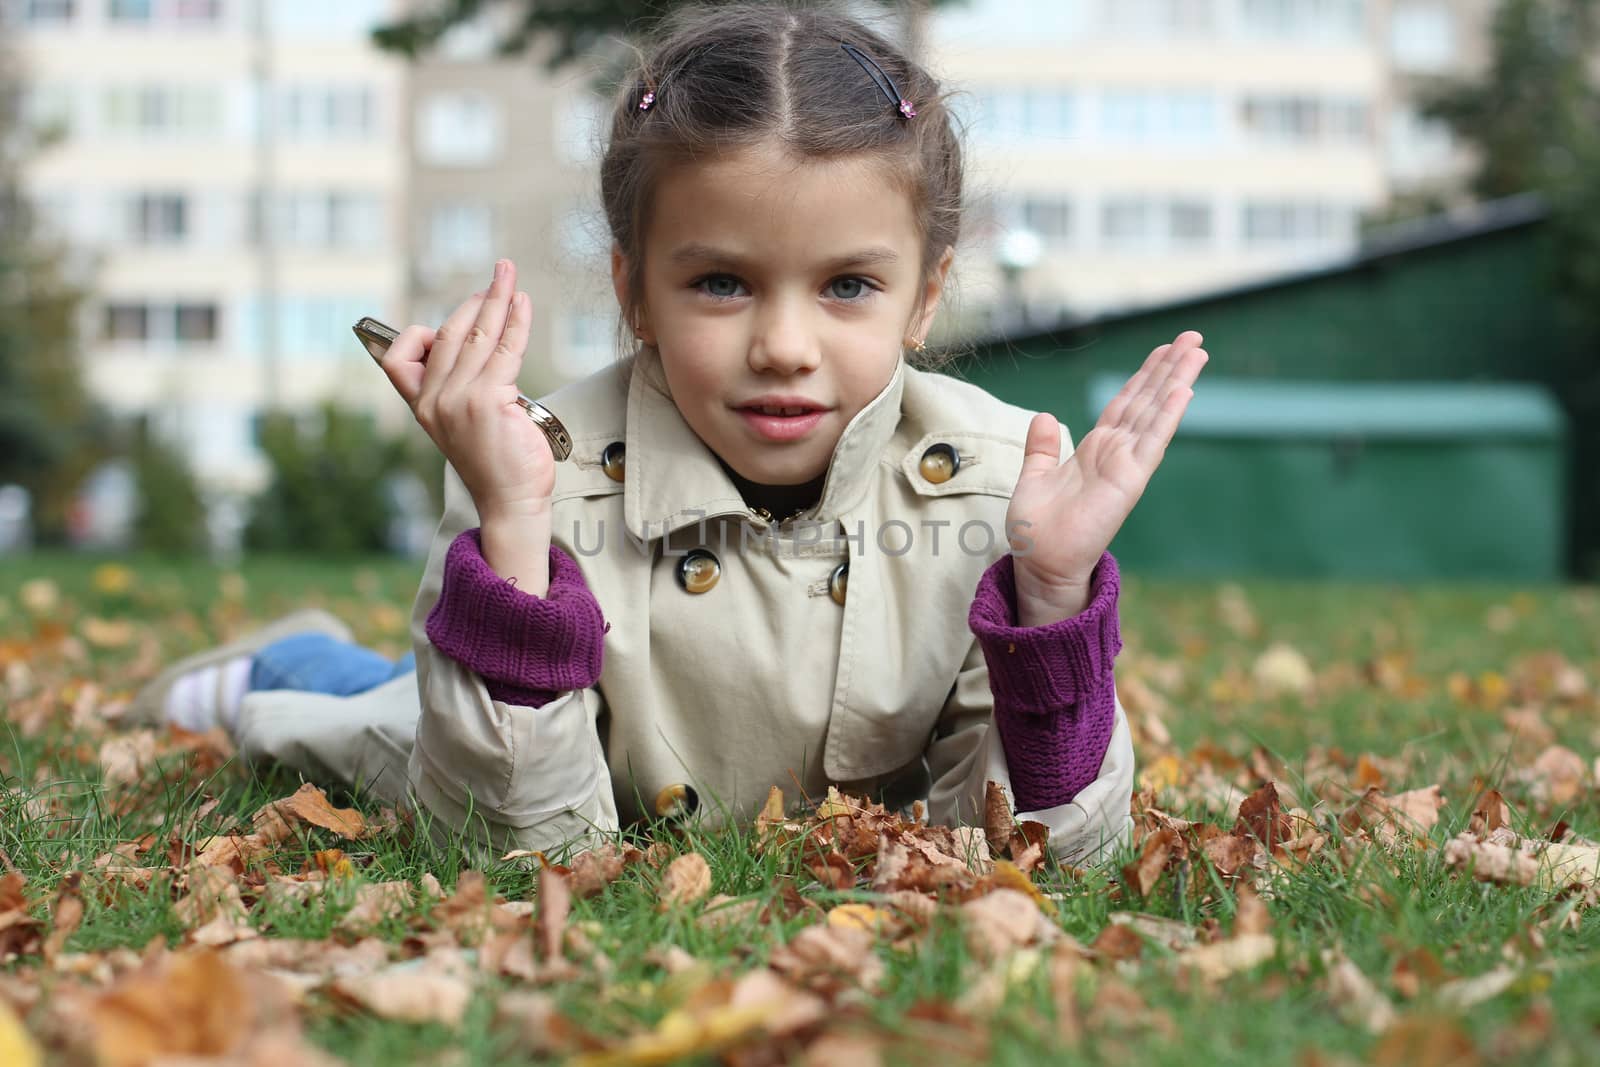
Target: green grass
x=1279, y=1012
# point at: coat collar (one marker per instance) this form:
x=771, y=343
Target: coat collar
x=674, y=480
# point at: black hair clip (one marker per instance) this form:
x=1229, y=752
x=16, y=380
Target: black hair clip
x=881, y=79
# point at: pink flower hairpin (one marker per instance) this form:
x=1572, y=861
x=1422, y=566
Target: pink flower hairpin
x=881, y=79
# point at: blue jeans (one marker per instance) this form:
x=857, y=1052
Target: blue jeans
x=319, y=663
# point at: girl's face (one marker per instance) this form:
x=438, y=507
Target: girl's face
x=775, y=283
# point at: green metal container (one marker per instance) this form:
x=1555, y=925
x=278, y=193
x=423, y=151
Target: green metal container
x=1418, y=480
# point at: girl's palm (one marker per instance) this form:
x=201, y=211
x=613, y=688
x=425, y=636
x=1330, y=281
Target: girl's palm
x=1072, y=510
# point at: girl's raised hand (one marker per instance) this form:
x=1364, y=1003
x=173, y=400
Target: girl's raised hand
x=1074, y=509
x=461, y=384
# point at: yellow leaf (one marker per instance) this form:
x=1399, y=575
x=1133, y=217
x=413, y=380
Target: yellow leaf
x=16, y=1047
x=1161, y=773
x=864, y=916
x=112, y=579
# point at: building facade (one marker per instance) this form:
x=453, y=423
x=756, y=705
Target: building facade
x=250, y=177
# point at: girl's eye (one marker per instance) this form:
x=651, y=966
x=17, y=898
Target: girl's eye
x=853, y=288
x=721, y=286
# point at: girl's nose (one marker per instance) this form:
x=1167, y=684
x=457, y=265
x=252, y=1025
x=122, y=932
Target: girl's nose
x=783, y=344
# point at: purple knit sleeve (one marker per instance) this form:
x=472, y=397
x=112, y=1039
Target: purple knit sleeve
x=1054, y=696
x=528, y=649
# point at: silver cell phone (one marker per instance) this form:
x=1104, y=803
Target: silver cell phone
x=376, y=337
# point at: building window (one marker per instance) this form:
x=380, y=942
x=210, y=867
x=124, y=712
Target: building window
x=1158, y=116
x=1161, y=18
x=1422, y=37
x=130, y=10
x=127, y=322
x=47, y=12
x=579, y=126
x=590, y=344
x=321, y=18
x=197, y=10
x=1126, y=223
x=583, y=234
x=326, y=112
x=158, y=218
x=162, y=110
x=1324, y=21
x=1274, y=222
x=1035, y=113
x=1189, y=222
x=461, y=235
x=1305, y=119
x=196, y=322
x=459, y=129
x=1050, y=219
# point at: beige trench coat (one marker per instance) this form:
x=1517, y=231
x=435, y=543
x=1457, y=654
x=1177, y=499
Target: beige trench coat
x=762, y=679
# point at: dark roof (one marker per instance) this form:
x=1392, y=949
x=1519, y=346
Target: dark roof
x=1390, y=242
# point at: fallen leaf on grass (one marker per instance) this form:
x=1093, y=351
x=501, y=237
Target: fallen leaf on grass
x=826, y=959
x=1357, y=999
x=999, y=922
x=16, y=1047
x=1217, y=961
x=190, y=1003
x=687, y=879
x=408, y=994
x=308, y=805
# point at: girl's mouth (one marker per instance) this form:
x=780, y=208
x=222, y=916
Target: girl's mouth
x=781, y=423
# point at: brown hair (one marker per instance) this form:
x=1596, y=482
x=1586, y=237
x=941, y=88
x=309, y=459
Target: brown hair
x=731, y=76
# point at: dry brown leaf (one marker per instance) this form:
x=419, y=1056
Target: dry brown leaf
x=1464, y=993
x=827, y=958
x=407, y=993
x=1282, y=668
x=309, y=805
x=550, y=915
x=189, y=1003
x=597, y=868
x=1250, y=914
x=1557, y=778
x=687, y=879
x=376, y=903
x=1214, y=962
x=1159, y=849
x=66, y=913
x=1357, y=999
x=997, y=821
x=1002, y=921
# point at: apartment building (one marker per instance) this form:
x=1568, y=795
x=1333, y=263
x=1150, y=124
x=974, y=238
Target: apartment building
x=222, y=158
x=1149, y=148
x=504, y=163
x=228, y=156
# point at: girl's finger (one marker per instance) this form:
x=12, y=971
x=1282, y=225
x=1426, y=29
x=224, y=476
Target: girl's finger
x=406, y=360
x=1149, y=446
x=505, y=361
x=484, y=335
x=1182, y=376
x=1114, y=410
x=446, y=347
x=1155, y=387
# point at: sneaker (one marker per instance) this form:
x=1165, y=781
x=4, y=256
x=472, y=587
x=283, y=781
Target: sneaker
x=149, y=706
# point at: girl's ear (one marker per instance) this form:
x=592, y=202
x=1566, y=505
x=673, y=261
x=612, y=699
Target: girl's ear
x=933, y=290
x=619, y=285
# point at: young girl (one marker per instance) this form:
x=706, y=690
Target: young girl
x=779, y=553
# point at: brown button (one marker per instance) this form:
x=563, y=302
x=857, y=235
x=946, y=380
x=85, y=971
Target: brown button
x=838, y=582
x=698, y=571
x=612, y=460
x=939, y=463
x=677, y=801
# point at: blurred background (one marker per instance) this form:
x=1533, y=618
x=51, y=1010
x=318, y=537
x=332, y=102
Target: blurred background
x=1383, y=214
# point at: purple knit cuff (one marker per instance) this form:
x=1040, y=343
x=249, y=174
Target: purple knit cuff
x=1054, y=691
x=528, y=649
